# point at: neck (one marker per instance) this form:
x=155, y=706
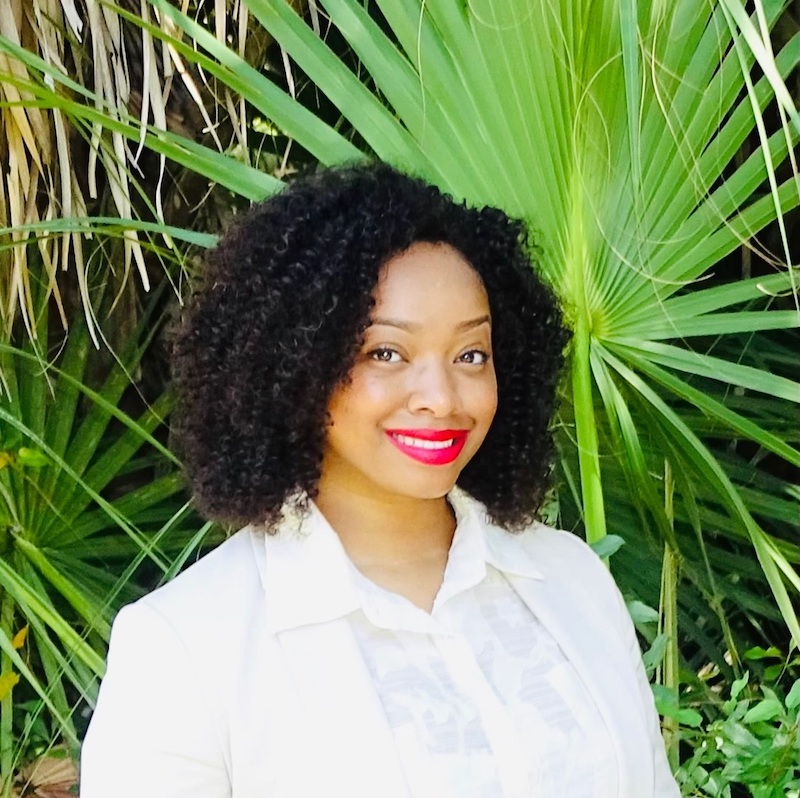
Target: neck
x=387, y=531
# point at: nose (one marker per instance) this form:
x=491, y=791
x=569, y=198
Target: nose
x=433, y=389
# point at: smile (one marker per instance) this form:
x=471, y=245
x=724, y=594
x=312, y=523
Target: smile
x=431, y=447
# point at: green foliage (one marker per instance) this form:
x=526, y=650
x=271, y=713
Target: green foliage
x=753, y=743
x=737, y=737
x=90, y=499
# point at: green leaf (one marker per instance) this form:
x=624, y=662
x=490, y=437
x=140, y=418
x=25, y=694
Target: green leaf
x=31, y=458
x=296, y=121
x=716, y=368
x=607, y=546
x=689, y=717
x=739, y=685
x=793, y=696
x=768, y=709
x=757, y=652
x=655, y=654
x=218, y=167
x=387, y=139
x=641, y=612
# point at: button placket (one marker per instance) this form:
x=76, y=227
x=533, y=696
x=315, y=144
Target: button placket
x=503, y=737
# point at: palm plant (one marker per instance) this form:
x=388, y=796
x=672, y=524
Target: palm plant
x=38, y=148
x=92, y=509
x=90, y=500
x=60, y=169
x=613, y=128
x=618, y=131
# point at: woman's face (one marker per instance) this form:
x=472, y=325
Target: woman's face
x=422, y=393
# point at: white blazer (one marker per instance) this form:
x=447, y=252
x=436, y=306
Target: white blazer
x=213, y=689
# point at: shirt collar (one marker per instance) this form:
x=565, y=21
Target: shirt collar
x=307, y=575
x=499, y=548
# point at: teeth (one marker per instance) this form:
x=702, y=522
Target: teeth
x=421, y=444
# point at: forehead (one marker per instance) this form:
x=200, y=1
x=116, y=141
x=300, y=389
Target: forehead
x=429, y=279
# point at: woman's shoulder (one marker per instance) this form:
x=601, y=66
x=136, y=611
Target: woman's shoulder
x=552, y=548
x=559, y=549
x=222, y=584
x=564, y=556
x=555, y=555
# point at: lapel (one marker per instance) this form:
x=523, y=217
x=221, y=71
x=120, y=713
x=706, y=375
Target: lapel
x=341, y=721
x=583, y=635
x=351, y=744
x=557, y=578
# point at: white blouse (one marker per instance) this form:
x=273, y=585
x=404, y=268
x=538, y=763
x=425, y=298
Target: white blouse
x=480, y=699
x=273, y=669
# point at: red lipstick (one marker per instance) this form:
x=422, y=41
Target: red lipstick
x=429, y=446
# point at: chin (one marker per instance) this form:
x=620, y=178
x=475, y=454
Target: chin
x=432, y=486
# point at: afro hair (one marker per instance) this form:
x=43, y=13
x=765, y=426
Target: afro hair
x=278, y=319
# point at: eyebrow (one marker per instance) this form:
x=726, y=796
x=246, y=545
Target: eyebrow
x=411, y=326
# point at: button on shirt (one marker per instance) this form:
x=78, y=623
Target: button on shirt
x=480, y=699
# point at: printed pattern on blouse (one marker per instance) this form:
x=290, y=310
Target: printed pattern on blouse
x=480, y=698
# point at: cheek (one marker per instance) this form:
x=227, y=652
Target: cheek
x=485, y=400
x=364, y=398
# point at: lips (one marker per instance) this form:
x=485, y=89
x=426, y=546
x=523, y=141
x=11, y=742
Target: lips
x=429, y=446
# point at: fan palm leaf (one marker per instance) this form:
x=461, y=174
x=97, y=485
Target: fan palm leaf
x=613, y=129
x=91, y=504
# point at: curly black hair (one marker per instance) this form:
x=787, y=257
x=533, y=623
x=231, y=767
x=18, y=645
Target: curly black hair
x=277, y=322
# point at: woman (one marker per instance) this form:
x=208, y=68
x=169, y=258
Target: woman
x=366, y=381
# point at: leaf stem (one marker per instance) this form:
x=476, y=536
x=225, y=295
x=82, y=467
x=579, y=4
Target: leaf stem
x=7, y=702
x=669, y=672
x=594, y=517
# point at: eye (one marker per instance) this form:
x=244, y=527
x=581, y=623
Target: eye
x=384, y=354
x=474, y=357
